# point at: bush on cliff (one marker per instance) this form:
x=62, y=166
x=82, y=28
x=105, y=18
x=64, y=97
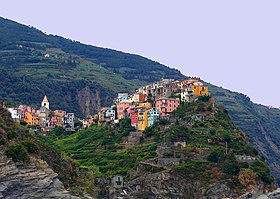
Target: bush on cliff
x=17, y=152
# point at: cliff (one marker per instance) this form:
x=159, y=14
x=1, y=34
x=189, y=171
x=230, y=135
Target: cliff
x=32, y=180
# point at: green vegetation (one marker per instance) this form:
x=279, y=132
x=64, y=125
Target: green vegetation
x=67, y=71
x=17, y=152
x=33, y=64
x=260, y=122
x=101, y=148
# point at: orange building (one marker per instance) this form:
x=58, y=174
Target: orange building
x=200, y=90
x=31, y=119
x=59, y=115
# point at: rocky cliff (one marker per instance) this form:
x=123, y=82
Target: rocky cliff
x=32, y=180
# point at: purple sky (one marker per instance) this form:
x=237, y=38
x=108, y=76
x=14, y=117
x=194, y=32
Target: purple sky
x=234, y=44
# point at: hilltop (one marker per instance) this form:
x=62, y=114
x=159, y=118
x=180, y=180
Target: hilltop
x=197, y=152
x=81, y=78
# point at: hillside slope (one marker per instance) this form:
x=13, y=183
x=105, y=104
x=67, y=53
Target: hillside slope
x=194, y=154
x=80, y=78
x=260, y=122
x=27, y=167
x=76, y=77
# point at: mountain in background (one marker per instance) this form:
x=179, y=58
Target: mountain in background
x=81, y=78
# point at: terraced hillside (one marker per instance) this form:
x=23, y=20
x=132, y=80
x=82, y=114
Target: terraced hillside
x=80, y=78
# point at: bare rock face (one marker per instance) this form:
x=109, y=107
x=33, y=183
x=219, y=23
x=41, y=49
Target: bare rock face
x=35, y=180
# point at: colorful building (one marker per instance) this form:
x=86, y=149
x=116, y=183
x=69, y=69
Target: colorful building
x=122, y=109
x=167, y=105
x=200, y=90
x=147, y=105
x=59, y=116
x=139, y=97
x=143, y=120
x=153, y=115
x=31, y=119
x=133, y=114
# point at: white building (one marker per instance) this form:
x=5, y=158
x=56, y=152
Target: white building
x=15, y=113
x=69, y=120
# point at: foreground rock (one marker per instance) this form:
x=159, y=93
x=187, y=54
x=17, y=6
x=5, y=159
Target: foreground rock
x=32, y=180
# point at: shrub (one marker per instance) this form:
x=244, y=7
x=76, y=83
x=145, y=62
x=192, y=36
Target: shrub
x=11, y=134
x=204, y=98
x=17, y=152
x=215, y=156
x=2, y=141
x=30, y=146
x=247, y=178
x=231, y=167
x=23, y=123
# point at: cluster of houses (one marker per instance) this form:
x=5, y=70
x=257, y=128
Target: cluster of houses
x=152, y=102
x=144, y=107
x=43, y=117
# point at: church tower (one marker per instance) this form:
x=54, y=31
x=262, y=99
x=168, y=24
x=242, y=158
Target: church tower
x=45, y=103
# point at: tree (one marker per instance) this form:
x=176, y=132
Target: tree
x=247, y=178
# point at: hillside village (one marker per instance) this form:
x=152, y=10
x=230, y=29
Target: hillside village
x=152, y=102
x=144, y=107
x=43, y=117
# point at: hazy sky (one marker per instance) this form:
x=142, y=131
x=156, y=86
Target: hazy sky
x=231, y=43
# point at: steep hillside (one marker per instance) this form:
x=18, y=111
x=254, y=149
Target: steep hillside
x=194, y=154
x=75, y=77
x=30, y=169
x=260, y=122
x=80, y=78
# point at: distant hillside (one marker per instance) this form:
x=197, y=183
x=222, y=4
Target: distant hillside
x=76, y=77
x=81, y=78
x=260, y=122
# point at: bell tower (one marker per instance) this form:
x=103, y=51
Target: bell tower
x=45, y=103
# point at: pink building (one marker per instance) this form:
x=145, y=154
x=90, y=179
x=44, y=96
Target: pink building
x=167, y=105
x=122, y=109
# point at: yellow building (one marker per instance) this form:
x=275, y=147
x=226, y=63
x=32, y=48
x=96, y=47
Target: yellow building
x=143, y=120
x=145, y=104
x=200, y=90
x=31, y=119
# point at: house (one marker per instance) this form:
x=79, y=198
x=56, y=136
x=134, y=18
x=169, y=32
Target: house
x=139, y=97
x=69, y=120
x=122, y=97
x=110, y=113
x=153, y=115
x=31, y=118
x=143, y=120
x=187, y=95
x=200, y=90
x=144, y=104
x=15, y=114
x=182, y=144
x=106, y=114
x=133, y=114
x=117, y=181
x=167, y=105
x=59, y=115
x=122, y=109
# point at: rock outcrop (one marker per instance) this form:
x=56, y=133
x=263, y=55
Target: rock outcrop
x=32, y=180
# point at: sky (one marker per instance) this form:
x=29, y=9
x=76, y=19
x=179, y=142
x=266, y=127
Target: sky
x=230, y=43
